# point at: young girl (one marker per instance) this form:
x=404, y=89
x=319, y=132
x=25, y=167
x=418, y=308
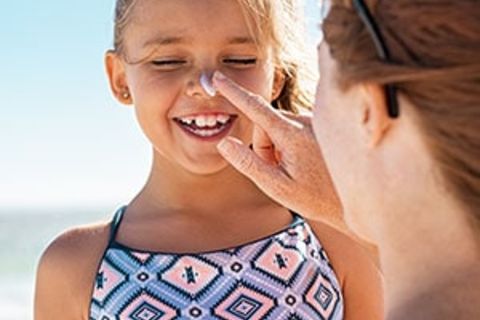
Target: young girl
x=200, y=241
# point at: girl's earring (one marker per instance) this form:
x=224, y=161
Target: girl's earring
x=126, y=95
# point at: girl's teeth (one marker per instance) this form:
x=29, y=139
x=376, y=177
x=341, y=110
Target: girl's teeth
x=223, y=119
x=211, y=121
x=188, y=121
x=206, y=121
x=207, y=133
x=201, y=121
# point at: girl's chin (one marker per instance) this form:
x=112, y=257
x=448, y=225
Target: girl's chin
x=207, y=166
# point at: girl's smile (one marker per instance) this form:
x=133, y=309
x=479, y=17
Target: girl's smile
x=211, y=126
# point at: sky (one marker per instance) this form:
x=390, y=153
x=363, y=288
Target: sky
x=64, y=140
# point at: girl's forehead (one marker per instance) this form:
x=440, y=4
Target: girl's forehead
x=186, y=16
x=187, y=21
x=184, y=13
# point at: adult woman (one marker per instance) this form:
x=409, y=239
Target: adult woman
x=397, y=117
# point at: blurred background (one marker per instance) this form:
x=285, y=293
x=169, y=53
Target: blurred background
x=69, y=154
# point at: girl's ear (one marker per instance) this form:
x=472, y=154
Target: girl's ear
x=279, y=79
x=115, y=68
x=376, y=121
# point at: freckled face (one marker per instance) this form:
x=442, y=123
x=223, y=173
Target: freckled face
x=169, y=44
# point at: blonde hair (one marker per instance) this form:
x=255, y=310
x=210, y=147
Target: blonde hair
x=278, y=23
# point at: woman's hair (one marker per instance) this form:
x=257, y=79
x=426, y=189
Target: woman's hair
x=435, y=63
x=274, y=22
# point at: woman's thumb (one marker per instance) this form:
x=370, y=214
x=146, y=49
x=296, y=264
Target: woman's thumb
x=242, y=158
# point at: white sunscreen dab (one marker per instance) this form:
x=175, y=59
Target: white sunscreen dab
x=207, y=85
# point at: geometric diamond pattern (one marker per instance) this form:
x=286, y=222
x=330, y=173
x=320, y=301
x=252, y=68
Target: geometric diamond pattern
x=276, y=277
x=279, y=262
x=147, y=312
x=107, y=280
x=245, y=303
x=322, y=296
x=191, y=274
x=244, y=307
x=147, y=307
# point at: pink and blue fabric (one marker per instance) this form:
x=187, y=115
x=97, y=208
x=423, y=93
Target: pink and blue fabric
x=284, y=276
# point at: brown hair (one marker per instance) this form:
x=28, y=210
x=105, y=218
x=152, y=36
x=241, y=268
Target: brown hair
x=435, y=49
x=275, y=22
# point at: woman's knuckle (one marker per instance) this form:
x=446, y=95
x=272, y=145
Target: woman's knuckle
x=255, y=100
x=246, y=164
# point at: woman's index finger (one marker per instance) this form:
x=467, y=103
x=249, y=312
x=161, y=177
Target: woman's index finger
x=253, y=106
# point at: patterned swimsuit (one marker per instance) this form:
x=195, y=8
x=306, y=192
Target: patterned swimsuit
x=283, y=276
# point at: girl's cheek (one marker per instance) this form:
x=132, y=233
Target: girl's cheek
x=161, y=81
x=167, y=76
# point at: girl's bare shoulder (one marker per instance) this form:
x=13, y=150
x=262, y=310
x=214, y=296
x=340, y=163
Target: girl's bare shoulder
x=76, y=244
x=66, y=272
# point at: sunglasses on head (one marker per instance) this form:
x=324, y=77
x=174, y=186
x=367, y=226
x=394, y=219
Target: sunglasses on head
x=364, y=13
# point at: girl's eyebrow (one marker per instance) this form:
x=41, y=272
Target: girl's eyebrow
x=167, y=40
x=241, y=40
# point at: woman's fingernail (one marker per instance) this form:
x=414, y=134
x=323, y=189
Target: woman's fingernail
x=219, y=76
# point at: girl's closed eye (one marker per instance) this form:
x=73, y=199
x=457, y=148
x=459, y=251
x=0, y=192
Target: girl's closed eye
x=240, y=62
x=168, y=63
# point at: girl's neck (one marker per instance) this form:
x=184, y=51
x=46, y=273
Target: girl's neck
x=171, y=188
x=431, y=245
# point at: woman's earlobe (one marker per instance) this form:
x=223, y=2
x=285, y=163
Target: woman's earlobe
x=375, y=118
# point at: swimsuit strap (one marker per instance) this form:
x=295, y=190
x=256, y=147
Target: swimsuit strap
x=115, y=224
x=297, y=218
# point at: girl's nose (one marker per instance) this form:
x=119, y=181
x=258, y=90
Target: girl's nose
x=200, y=85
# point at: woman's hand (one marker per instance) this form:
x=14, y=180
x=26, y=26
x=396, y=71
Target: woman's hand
x=284, y=159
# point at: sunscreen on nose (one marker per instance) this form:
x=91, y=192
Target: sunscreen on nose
x=207, y=85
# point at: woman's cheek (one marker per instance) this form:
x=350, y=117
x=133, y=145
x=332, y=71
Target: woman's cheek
x=319, y=110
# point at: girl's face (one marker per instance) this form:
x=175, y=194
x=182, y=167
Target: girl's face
x=169, y=44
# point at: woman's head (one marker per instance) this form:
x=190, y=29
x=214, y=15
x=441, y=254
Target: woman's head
x=162, y=47
x=434, y=48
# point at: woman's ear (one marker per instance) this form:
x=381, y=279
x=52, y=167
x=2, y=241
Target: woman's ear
x=279, y=79
x=115, y=68
x=376, y=121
